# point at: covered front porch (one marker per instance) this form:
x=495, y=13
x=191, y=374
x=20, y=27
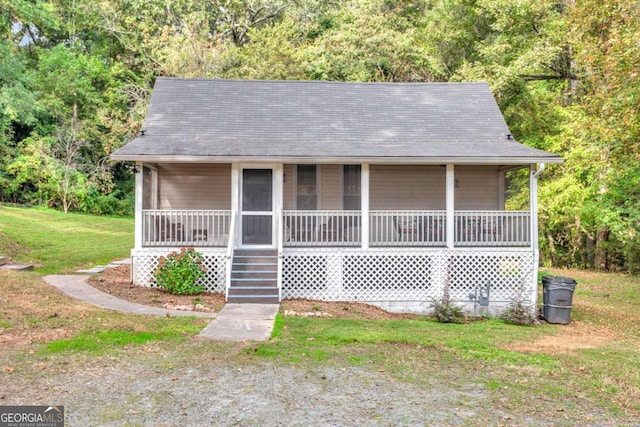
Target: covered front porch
x=394, y=235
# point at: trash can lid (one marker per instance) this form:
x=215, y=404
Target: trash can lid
x=558, y=280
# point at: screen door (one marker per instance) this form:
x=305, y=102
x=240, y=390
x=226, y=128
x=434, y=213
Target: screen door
x=257, y=207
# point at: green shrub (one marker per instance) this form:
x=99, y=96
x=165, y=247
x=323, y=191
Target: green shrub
x=518, y=313
x=179, y=272
x=447, y=312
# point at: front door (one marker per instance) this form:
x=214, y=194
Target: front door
x=257, y=207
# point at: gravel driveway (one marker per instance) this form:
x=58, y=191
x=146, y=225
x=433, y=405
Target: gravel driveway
x=256, y=395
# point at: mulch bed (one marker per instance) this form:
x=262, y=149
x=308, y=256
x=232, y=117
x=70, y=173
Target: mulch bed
x=115, y=281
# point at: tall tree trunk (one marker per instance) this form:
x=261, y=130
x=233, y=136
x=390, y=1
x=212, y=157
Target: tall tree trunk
x=552, y=248
x=590, y=248
x=601, y=254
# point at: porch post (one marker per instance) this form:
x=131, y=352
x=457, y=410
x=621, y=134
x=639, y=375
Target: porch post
x=533, y=219
x=450, y=204
x=533, y=204
x=278, y=177
x=235, y=197
x=139, y=197
x=364, y=204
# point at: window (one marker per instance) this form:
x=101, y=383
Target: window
x=351, y=189
x=150, y=188
x=307, y=188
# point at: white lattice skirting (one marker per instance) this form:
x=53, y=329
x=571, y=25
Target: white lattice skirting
x=397, y=279
x=145, y=261
x=409, y=275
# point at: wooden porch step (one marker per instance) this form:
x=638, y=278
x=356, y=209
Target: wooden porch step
x=252, y=253
x=256, y=291
x=255, y=266
x=254, y=277
x=253, y=282
x=249, y=274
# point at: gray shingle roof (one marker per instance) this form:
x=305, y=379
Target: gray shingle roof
x=202, y=119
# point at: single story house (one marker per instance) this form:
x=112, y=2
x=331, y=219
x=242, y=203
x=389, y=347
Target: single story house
x=385, y=193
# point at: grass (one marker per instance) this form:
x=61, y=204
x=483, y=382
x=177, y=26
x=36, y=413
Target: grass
x=102, y=342
x=604, y=376
x=591, y=361
x=56, y=242
x=36, y=313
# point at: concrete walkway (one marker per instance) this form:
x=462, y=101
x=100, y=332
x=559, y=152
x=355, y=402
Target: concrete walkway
x=242, y=322
x=235, y=322
x=77, y=287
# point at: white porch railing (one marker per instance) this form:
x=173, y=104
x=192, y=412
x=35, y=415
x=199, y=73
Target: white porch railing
x=397, y=228
x=321, y=228
x=492, y=228
x=400, y=228
x=185, y=227
x=407, y=228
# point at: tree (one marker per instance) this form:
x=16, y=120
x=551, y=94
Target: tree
x=604, y=40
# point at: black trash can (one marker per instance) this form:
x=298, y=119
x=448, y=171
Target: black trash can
x=557, y=298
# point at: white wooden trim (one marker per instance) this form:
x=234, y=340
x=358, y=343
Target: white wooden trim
x=341, y=160
x=533, y=202
x=278, y=203
x=139, y=197
x=279, y=245
x=229, y=252
x=274, y=203
x=278, y=193
x=235, y=200
x=450, y=204
x=364, y=204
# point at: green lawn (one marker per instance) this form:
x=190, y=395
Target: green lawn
x=56, y=242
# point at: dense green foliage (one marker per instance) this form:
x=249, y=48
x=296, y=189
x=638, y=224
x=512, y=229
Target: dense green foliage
x=75, y=78
x=179, y=273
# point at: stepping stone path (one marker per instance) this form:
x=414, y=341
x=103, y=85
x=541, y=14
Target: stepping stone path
x=6, y=264
x=100, y=268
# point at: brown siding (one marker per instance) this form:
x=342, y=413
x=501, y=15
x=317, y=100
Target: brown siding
x=194, y=186
x=407, y=187
x=477, y=188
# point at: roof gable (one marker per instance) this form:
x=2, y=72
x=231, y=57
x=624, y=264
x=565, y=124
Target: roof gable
x=200, y=119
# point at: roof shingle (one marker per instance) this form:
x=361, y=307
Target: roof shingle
x=200, y=119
